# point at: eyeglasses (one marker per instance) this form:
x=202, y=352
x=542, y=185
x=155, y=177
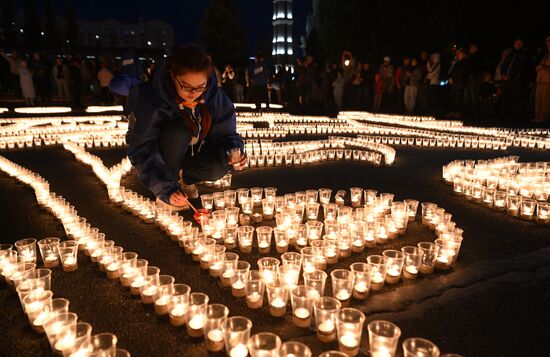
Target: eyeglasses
x=190, y=89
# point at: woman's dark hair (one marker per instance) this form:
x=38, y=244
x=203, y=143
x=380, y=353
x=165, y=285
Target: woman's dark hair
x=189, y=58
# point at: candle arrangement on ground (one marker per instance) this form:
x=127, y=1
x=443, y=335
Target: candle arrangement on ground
x=46, y=314
x=504, y=185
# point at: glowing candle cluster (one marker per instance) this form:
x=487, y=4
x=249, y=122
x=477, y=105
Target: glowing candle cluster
x=504, y=184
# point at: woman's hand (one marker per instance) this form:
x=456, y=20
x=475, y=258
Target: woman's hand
x=238, y=162
x=178, y=199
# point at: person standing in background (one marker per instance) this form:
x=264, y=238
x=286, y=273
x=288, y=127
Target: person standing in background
x=61, y=75
x=542, y=90
x=26, y=83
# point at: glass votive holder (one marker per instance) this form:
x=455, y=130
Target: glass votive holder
x=140, y=269
x=543, y=213
x=311, y=196
x=195, y=314
x=127, y=268
x=37, y=305
x=268, y=208
x=294, y=349
x=448, y=252
x=419, y=347
x=268, y=269
x=316, y=279
x=342, y=285
x=281, y=240
x=49, y=250
x=230, y=237
x=263, y=235
x=500, y=201
x=245, y=234
x=219, y=220
x=412, y=261
x=428, y=210
x=207, y=201
x=292, y=259
x=105, y=255
x=412, y=208
x=30, y=286
x=241, y=276
x=163, y=294
x=241, y=192
x=314, y=230
x=254, y=289
x=277, y=297
x=113, y=268
x=429, y=252
x=200, y=245
x=312, y=211
x=349, y=327
x=302, y=298
x=264, y=344
x=356, y=194
x=79, y=342
x=229, y=266
x=216, y=262
x=103, y=344
x=331, y=249
x=513, y=205
x=528, y=206
x=55, y=306
x=232, y=216
x=229, y=196
x=383, y=338
x=27, y=249
x=219, y=200
x=288, y=276
x=68, y=251
x=209, y=254
x=362, y=276
x=148, y=290
x=324, y=195
x=57, y=324
x=256, y=194
x=394, y=265
x=378, y=271
x=214, y=316
x=142, y=278
x=299, y=234
x=325, y=319
x=179, y=304
x=236, y=332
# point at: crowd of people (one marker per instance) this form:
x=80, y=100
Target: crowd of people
x=462, y=83
x=40, y=79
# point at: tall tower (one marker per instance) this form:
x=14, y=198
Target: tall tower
x=282, y=52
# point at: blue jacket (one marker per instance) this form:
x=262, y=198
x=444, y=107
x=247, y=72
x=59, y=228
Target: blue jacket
x=151, y=104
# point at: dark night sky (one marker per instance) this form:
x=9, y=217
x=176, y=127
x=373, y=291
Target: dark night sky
x=184, y=15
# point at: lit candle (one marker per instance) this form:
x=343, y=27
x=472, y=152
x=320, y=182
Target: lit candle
x=69, y=264
x=239, y=350
x=214, y=340
x=51, y=261
x=343, y=295
x=254, y=301
x=377, y=281
x=65, y=342
x=348, y=341
x=302, y=317
x=177, y=314
x=277, y=307
x=196, y=322
x=237, y=289
x=393, y=274
x=161, y=305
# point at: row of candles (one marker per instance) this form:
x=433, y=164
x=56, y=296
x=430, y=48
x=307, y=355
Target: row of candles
x=503, y=184
x=67, y=336
x=310, y=308
x=281, y=281
x=72, y=338
x=445, y=133
x=334, y=146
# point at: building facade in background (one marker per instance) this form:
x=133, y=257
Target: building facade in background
x=283, y=46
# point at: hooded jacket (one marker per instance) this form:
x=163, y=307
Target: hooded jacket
x=151, y=104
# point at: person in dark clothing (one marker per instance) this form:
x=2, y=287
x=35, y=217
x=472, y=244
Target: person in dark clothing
x=367, y=82
x=474, y=64
x=76, y=83
x=516, y=73
x=41, y=76
x=258, y=74
x=458, y=75
x=182, y=128
x=401, y=80
x=487, y=96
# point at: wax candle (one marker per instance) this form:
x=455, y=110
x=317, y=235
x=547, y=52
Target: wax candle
x=239, y=350
x=177, y=315
x=301, y=317
x=254, y=301
x=349, y=344
x=377, y=281
x=195, y=325
x=237, y=289
x=410, y=272
x=393, y=274
x=326, y=331
x=277, y=307
x=214, y=340
x=69, y=264
x=360, y=290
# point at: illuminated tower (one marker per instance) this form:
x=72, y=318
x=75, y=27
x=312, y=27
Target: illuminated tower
x=283, y=52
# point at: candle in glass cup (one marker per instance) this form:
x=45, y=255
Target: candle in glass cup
x=349, y=326
x=378, y=271
x=277, y=296
x=241, y=275
x=264, y=344
x=49, y=249
x=254, y=289
x=163, y=294
x=263, y=235
x=324, y=309
x=302, y=299
x=383, y=338
x=394, y=264
x=27, y=249
x=236, y=330
x=214, y=316
x=362, y=274
x=230, y=265
x=342, y=285
x=281, y=241
x=195, y=314
x=179, y=304
x=245, y=234
x=68, y=252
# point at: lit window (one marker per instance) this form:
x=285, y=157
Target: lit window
x=290, y=51
x=149, y=43
x=289, y=39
